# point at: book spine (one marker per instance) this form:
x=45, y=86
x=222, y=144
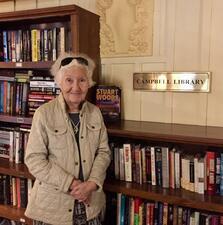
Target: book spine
x=5, y=46
x=148, y=164
x=9, y=45
x=45, y=36
x=38, y=45
x=121, y=164
x=165, y=167
x=127, y=162
x=62, y=40
x=54, y=44
x=23, y=192
x=13, y=45
x=137, y=202
x=122, y=209
x=138, y=163
x=165, y=213
x=153, y=166
x=143, y=153
x=210, y=161
x=18, y=192
x=172, y=168
x=217, y=172
x=1, y=47
x=34, y=45
x=201, y=176
x=118, y=217
x=158, y=166
x=221, y=174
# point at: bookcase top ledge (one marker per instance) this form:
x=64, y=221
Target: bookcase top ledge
x=168, y=132
x=43, y=12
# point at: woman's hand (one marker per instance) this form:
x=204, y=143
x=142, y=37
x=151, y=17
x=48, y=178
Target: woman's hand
x=83, y=191
x=74, y=183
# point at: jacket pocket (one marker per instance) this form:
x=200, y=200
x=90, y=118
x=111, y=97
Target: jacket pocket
x=57, y=137
x=93, y=134
x=47, y=197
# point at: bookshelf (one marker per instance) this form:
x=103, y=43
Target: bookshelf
x=189, y=138
x=171, y=196
x=81, y=35
x=12, y=213
x=189, y=135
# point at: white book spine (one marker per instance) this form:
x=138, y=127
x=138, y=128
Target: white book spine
x=177, y=169
x=11, y=152
x=196, y=172
x=153, y=166
x=201, y=176
x=165, y=167
x=62, y=39
x=196, y=218
x=17, y=145
x=172, y=168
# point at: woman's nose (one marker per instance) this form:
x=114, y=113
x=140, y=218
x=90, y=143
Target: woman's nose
x=76, y=85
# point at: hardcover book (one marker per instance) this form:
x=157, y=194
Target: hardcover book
x=108, y=99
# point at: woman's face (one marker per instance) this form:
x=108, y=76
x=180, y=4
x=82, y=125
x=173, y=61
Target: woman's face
x=74, y=86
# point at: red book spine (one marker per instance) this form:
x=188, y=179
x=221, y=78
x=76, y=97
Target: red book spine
x=18, y=192
x=210, y=162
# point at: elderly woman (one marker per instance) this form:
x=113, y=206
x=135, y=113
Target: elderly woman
x=68, y=151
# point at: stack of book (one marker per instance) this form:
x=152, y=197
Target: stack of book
x=42, y=90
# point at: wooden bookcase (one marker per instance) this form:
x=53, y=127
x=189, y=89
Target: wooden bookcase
x=190, y=138
x=83, y=28
x=201, y=137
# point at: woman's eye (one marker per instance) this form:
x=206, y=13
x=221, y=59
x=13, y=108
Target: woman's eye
x=69, y=80
x=82, y=80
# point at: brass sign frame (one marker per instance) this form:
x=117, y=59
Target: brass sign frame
x=173, y=81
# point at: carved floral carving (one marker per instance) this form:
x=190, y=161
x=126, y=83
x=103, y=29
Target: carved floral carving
x=137, y=35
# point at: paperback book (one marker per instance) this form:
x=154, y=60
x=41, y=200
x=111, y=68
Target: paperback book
x=108, y=99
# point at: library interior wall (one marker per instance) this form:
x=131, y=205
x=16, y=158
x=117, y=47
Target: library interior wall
x=187, y=36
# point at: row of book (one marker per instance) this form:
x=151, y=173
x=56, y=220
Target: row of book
x=136, y=211
x=168, y=168
x=4, y=221
x=15, y=191
x=23, y=94
x=32, y=45
x=13, y=143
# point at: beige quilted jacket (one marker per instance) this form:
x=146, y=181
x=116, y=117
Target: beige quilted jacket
x=52, y=157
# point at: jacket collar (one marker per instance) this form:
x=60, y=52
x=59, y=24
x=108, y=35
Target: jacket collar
x=64, y=105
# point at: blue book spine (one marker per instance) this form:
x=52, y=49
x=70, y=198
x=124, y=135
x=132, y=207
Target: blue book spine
x=1, y=95
x=217, y=172
x=5, y=46
x=221, y=174
x=122, y=210
x=160, y=218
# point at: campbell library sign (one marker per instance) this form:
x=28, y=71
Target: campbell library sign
x=172, y=81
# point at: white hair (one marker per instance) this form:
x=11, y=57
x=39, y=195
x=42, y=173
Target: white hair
x=57, y=70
